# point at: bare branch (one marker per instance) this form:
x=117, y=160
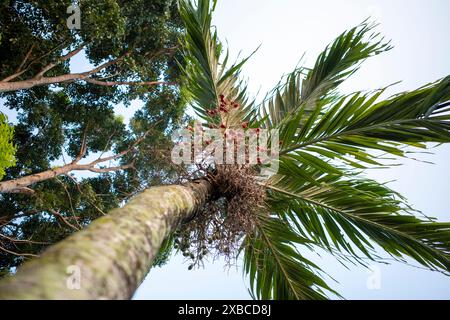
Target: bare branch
x=87, y=199
x=121, y=154
x=21, y=184
x=58, y=61
x=27, y=56
x=70, y=200
x=110, y=169
x=107, y=145
x=131, y=83
x=15, y=75
x=39, y=79
x=21, y=240
x=83, y=147
x=18, y=254
x=19, y=70
x=70, y=77
x=169, y=51
x=23, y=190
x=63, y=219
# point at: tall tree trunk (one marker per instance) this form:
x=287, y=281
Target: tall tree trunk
x=113, y=254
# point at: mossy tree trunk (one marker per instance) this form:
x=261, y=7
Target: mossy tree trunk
x=110, y=258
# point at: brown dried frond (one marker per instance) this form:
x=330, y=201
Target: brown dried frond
x=220, y=226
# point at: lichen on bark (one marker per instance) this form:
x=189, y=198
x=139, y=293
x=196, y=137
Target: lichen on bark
x=113, y=254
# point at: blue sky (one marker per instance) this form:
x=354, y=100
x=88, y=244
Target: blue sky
x=287, y=29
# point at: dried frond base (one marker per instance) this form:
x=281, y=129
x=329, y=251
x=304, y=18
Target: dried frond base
x=218, y=229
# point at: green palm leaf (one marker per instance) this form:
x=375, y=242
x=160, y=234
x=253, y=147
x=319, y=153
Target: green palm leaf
x=336, y=211
x=359, y=122
x=275, y=267
x=313, y=88
x=206, y=75
x=341, y=59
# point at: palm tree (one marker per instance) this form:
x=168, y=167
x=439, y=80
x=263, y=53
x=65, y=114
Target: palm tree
x=317, y=199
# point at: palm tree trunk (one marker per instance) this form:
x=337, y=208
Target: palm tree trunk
x=110, y=258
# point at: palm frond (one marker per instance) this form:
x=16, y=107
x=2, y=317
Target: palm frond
x=309, y=87
x=284, y=99
x=352, y=126
x=341, y=59
x=275, y=267
x=344, y=213
x=206, y=75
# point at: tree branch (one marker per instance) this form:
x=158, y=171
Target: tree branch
x=20, y=72
x=131, y=83
x=21, y=240
x=27, y=56
x=23, y=190
x=20, y=185
x=50, y=66
x=111, y=169
x=83, y=147
x=18, y=254
x=63, y=219
x=39, y=79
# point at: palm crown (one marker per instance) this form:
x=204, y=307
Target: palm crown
x=319, y=198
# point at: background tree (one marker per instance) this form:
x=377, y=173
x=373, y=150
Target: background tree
x=75, y=118
x=318, y=198
x=7, y=149
x=118, y=37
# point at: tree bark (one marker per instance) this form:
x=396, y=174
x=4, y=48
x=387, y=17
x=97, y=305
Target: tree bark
x=110, y=258
x=20, y=183
x=30, y=83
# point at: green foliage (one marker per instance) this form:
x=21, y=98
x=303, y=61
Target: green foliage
x=341, y=59
x=165, y=252
x=305, y=90
x=52, y=120
x=141, y=35
x=276, y=268
x=205, y=76
x=361, y=122
x=326, y=209
x=7, y=149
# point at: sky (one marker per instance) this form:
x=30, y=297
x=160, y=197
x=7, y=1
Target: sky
x=287, y=30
